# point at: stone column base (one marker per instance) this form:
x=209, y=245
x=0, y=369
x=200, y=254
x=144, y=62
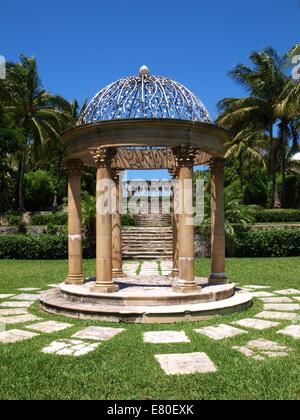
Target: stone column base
x=183, y=286
x=218, y=278
x=105, y=288
x=75, y=279
x=118, y=274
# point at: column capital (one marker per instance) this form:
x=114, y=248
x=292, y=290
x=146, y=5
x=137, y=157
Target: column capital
x=73, y=166
x=216, y=163
x=184, y=156
x=103, y=156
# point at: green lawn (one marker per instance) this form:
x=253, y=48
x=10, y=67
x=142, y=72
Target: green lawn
x=125, y=368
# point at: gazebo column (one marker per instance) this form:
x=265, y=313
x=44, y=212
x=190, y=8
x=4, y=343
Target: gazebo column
x=104, y=279
x=218, y=274
x=186, y=231
x=75, y=275
x=117, y=261
x=175, y=272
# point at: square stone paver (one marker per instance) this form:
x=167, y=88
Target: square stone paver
x=262, y=349
x=288, y=292
x=29, y=289
x=26, y=297
x=220, y=332
x=281, y=316
x=262, y=294
x=10, y=320
x=21, y=304
x=297, y=298
x=292, y=331
x=6, y=296
x=257, y=287
x=256, y=324
x=165, y=337
x=185, y=364
x=282, y=306
x=74, y=348
x=49, y=326
x=10, y=312
x=13, y=336
x=275, y=299
x=98, y=333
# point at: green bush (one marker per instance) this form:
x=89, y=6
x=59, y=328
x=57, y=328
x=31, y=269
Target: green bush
x=38, y=247
x=127, y=220
x=56, y=219
x=272, y=243
x=277, y=216
x=30, y=247
x=13, y=219
x=39, y=190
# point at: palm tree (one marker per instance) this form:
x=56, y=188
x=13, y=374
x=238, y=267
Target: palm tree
x=41, y=115
x=264, y=85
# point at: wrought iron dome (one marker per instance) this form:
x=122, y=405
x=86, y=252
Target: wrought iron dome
x=145, y=96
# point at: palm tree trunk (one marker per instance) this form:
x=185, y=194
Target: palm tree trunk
x=283, y=164
x=272, y=165
x=21, y=206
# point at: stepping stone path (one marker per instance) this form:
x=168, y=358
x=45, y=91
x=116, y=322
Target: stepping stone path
x=292, y=331
x=10, y=312
x=256, y=324
x=186, y=363
x=130, y=268
x=21, y=304
x=282, y=316
x=277, y=300
x=53, y=286
x=262, y=349
x=261, y=294
x=282, y=306
x=288, y=292
x=166, y=267
x=29, y=289
x=256, y=287
x=10, y=320
x=14, y=336
x=49, y=327
x=31, y=298
x=149, y=268
x=297, y=298
x=165, y=337
x=98, y=333
x=6, y=296
x=74, y=348
x=220, y=332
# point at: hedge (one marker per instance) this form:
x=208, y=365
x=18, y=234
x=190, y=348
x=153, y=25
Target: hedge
x=56, y=219
x=271, y=243
x=278, y=216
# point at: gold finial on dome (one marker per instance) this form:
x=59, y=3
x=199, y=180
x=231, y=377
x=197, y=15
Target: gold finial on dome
x=144, y=71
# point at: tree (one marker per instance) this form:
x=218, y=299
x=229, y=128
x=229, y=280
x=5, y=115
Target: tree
x=264, y=84
x=41, y=115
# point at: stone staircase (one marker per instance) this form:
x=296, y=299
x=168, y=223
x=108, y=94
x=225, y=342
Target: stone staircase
x=153, y=220
x=148, y=243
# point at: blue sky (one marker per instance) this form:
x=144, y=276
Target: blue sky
x=82, y=46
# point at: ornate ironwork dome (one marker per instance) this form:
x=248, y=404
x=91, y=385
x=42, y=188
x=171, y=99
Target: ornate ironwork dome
x=145, y=96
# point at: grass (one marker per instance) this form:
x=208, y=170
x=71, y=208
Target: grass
x=125, y=368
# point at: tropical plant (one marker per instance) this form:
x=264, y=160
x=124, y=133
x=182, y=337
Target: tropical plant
x=41, y=115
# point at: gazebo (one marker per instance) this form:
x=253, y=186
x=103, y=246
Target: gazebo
x=144, y=122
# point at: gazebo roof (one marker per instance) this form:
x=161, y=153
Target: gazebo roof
x=145, y=97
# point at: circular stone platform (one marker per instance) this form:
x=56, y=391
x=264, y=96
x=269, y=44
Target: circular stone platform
x=144, y=299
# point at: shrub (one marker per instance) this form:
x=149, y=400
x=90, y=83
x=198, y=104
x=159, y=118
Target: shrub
x=277, y=216
x=56, y=219
x=127, y=220
x=30, y=247
x=39, y=190
x=13, y=219
x=272, y=243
